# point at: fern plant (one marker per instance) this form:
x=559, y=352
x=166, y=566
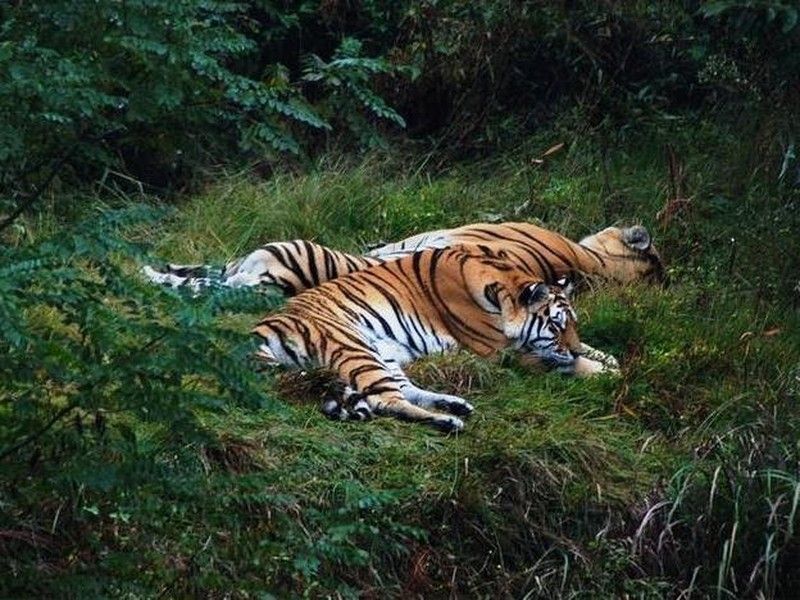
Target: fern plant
x=81, y=335
x=92, y=358
x=148, y=86
x=347, y=78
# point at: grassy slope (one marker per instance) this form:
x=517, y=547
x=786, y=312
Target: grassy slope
x=550, y=489
x=546, y=488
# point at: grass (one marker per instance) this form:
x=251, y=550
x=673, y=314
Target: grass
x=678, y=479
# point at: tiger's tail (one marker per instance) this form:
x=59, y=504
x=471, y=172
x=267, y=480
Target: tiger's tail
x=196, y=278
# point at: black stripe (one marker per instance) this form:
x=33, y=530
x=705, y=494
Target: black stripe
x=298, y=271
x=282, y=340
x=402, y=315
x=369, y=368
x=331, y=272
x=534, y=239
x=289, y=263
x=311, y=258
x=449, y=315
x=594, y=253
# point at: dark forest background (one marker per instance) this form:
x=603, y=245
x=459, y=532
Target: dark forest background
x=158, y=90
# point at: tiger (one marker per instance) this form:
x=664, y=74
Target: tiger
x=622, y=255
x=364, y=326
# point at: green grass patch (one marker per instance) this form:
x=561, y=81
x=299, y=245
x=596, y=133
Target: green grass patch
x=678, y=476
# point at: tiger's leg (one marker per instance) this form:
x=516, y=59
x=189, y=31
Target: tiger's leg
x=590, y=362
x=377, y=387
x=353, y=405
x=293, y=266
x=427, y=399
x=606, y=362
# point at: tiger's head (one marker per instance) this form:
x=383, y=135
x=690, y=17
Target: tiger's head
x=543, y=326
x=629, y=253
x=516, y=310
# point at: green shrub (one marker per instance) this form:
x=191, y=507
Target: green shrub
x=149, y=87
x=98, y=368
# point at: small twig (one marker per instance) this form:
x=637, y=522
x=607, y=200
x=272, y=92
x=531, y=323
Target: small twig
x=34, y=436
x=31, y=200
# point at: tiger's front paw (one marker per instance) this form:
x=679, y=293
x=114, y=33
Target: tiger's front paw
x=586, y=367
x=609, y=363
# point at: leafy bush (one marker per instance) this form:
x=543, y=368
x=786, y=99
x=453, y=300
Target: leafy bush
x=147, y=86
x=92, y=358
x=152, y=89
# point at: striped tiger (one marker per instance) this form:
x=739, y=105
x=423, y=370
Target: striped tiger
x=622, y=255
x=366, y=325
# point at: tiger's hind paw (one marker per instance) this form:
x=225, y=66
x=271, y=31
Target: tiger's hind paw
x=334, y=410
x=445, y=402
x=461, y=408
x=448, y=424
x=361, y=411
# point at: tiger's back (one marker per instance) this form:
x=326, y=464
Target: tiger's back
x=623, y=254
x=618, y=254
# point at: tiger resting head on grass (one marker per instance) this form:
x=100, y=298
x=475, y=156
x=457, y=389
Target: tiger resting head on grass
x=366, y=325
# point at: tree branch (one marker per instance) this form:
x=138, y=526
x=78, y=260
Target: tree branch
x=26, y=204
x=34, y=436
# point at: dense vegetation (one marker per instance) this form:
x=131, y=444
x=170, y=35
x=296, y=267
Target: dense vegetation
x=142, y=456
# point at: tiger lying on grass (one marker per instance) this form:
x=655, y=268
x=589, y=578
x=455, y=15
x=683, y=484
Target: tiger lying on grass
x=366, y=325
x=618, y=254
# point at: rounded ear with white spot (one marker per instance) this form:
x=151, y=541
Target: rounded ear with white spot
x=636, y=237
x=533, y=293
x=490, y=293
x=567, y=287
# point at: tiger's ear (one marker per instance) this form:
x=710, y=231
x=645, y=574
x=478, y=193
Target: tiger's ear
x=567, y=287
x=533, y=293
x=636, y=237
x=490, y=293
